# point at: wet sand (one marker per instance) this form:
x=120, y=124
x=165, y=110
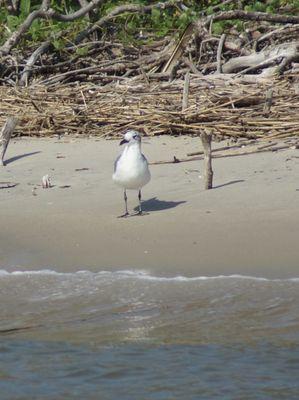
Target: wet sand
x=248, y=224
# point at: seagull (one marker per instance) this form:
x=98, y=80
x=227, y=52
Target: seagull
x=131, y=168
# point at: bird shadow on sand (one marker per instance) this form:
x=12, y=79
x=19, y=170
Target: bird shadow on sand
x=229, y=183
x=15, y=158
x=155, y=204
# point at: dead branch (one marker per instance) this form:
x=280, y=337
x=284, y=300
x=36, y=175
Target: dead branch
x=287, y=61
x=219, y=51
x=287, y=30
x=256, y=60
x=179, y=48
x=251, y=16
x=31, y=61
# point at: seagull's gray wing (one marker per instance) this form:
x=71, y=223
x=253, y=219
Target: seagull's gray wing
x=116, y=162
x=144, y=158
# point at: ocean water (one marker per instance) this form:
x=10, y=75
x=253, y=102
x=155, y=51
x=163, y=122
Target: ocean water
x=131, y=335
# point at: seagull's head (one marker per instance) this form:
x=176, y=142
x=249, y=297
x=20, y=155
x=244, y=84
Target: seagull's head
x=131, y=137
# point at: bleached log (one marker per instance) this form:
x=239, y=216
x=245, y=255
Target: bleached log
x=285, y=50
x=5, y=136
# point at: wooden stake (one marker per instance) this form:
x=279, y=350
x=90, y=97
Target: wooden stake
x=5, y=136
x=186, y=91
x=268, y=101
x=206, y=140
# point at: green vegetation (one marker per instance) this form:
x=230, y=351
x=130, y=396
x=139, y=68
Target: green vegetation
x=128, y=27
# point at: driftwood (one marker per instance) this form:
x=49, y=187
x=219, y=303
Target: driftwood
x=5, y=136
x=173, y=59
x=31, y=61
x=251, y=16
x=262, y=59
x=281, y=32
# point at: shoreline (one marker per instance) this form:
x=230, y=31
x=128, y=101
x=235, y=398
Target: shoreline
x=247, y=225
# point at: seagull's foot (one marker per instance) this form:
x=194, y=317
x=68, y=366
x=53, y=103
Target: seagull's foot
x=125, y=215
x=140, y=213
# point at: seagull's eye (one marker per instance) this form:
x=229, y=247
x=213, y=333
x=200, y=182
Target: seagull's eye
x=135, y=137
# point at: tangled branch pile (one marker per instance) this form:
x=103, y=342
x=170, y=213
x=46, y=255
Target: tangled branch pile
x=231, y=110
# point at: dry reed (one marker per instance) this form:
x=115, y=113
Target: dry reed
x=224, y=108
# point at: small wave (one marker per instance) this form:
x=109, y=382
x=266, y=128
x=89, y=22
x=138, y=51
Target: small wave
x=142, y=275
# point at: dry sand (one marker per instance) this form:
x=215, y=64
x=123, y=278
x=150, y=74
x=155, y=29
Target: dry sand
x=248, y=224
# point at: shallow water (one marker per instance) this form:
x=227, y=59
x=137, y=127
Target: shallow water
x=131, y=335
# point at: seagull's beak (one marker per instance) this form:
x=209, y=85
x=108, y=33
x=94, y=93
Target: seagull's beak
x=123, y=142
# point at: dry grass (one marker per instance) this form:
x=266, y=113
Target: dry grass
x=216, y=105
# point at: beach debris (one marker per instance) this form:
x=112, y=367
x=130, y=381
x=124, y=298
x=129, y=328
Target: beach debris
x=46, y=182
x=8, y=185
x=64, y=187
x=34, y=191
x=5, y=136
x=81, y=169
x=207, y=109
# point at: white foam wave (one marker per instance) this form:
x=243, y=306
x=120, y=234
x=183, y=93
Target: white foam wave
x=137, y=274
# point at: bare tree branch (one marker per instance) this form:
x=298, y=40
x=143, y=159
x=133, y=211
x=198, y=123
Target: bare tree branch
x=126, y=8
x=252, y=16
x=77, y=14
x=32, y=60
x=44, y=12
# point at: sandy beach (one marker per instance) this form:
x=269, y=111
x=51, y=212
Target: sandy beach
x=248, y=224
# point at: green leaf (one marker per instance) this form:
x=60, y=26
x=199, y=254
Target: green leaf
x=156, y=14
x=58, y=44
x=82, y=51
x=25, y=7
x=12, y=22
x=218, y=28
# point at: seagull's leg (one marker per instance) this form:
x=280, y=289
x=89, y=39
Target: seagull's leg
x=126, y=203
x=140, y=212
x=139, y=198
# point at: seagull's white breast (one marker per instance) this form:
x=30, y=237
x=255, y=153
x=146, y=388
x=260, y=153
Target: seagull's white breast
x=131, y=170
